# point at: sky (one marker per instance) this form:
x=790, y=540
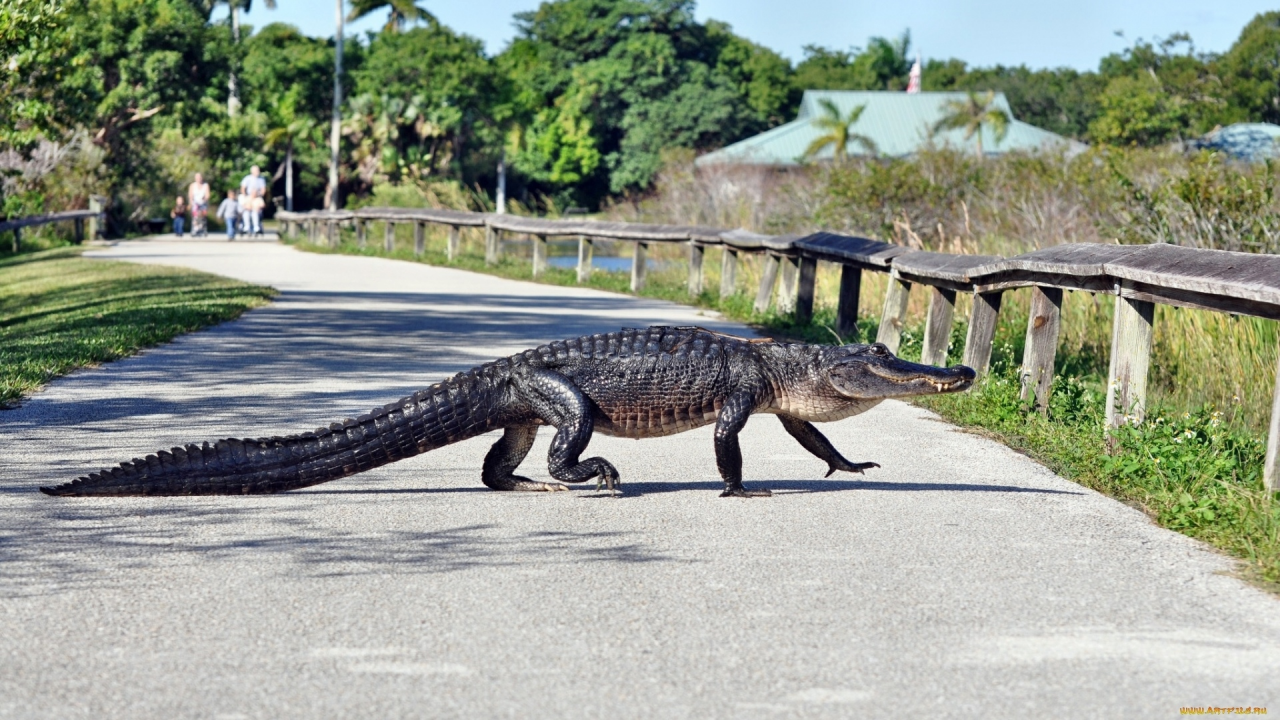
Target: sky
x=1010, y=32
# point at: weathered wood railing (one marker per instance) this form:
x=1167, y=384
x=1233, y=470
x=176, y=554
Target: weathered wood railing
x=77, y=217
x=1138, y=276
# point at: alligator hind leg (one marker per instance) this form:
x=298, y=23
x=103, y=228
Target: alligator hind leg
x=560, y=403
x=506, y=455
x=733, y=417
x=818, y=444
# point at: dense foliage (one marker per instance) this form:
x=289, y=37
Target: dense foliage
x=128, y=98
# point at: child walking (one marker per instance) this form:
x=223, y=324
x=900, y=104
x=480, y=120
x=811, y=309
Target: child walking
x=229, y=212
x=179, y=214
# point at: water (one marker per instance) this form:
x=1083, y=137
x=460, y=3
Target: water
x=609, y=264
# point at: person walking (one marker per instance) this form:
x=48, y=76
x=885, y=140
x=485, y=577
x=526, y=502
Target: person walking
x=179, y=214
x=257, y=204
x=198, y=196
x=229, y=212
x=254, y=187
x=246, y=224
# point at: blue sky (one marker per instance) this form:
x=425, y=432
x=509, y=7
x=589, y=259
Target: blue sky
x=1010, y=32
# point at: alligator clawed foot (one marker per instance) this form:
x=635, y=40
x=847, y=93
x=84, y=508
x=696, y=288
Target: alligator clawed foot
x=740, y=491
x=852, y=467
x=611, y=481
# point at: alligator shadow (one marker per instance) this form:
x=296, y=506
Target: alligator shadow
x=96, y=545
x=637, y=489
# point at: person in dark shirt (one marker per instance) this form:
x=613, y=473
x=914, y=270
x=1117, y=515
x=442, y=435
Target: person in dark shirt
x=179, y=214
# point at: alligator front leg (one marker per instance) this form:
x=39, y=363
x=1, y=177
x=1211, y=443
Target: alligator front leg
x=560, y=403
x=506, y=455
x=818, y=444
x=733, y=417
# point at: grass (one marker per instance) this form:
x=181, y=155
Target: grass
x=60, y=311
x=1193, y=467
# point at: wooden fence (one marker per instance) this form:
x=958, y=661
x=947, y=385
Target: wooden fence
x=1137, y=276
x=77, y=217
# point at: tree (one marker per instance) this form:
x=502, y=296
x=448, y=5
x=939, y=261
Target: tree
x=1250, y=70
x=435, y=87
x=973, y=114
x=34, y=44
x=400, y=12
x=1061, y=100
x=233, y=11
x=1137, y=110
x=600, y=88
x=838, y=132
x=287, y=128
x=883, y=65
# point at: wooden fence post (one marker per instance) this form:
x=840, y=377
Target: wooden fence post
x=332, y=230
x=982, y=331
x=419, y=237
x=728, y=272
x=79, y=230
x=492, y=245
x=847, y=310
x=539, y=254
x=1131, y=333
x=1042, y=345
x=696, y=253
x=895, y=312
x=17, y=239
x=1271, y=469
x=389, y=236
x=453, y=242
x=805, y=289
x=585, y=253
x=362, y=230
x=768, y=278
x=96, y=222
x=638, y=267
x=937, y=326
x=790, y=277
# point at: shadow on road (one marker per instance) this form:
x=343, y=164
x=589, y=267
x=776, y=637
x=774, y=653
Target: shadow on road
x=637, y=489
x=65, y=547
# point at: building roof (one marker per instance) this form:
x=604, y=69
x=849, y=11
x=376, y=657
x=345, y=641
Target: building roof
x=899, y=123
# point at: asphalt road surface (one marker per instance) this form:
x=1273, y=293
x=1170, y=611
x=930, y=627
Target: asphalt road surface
x=958, y=580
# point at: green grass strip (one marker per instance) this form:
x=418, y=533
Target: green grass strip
x=60, y=311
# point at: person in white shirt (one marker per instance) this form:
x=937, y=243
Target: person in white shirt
x=198, y=194
x=254, y=186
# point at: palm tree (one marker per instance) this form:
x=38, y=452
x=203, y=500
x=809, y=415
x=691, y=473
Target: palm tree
x=234, y=7
x=288, y=128
x=400, y=12
x=838, y=133
x=972, y=114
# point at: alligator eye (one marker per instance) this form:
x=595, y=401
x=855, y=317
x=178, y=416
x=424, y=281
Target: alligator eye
x=880, y=349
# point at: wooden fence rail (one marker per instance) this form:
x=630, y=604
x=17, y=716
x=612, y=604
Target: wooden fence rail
x=77, y=217
x=1137, y=276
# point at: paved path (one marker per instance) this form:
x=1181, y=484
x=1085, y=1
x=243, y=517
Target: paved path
x=960, y=579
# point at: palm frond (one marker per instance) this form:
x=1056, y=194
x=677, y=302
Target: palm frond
x=818, y=145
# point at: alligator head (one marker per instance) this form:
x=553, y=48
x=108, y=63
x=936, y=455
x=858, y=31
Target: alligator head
x=872, y=372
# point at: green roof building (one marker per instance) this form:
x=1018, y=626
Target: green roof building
x=898, y=123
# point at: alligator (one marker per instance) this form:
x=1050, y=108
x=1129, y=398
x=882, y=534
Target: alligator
x=637, y=383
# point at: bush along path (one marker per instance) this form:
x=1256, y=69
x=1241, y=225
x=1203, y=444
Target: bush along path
x=1193, y=471
x=60, y=312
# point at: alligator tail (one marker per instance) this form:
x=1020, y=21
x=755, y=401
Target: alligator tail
x=455, y=410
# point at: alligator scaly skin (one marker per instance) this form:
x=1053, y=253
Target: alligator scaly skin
x=636, y=383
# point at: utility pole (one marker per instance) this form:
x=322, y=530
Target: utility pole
x=335, y=133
